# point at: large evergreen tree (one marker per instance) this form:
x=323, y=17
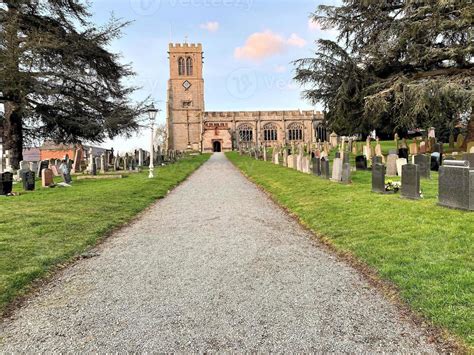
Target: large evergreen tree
x=414, y=61
x=57, y=78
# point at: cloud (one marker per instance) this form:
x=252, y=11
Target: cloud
x=296, y=41
x=261, y=45
x=211, y=26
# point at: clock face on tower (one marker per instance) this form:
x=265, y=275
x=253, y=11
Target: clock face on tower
x=186, y=85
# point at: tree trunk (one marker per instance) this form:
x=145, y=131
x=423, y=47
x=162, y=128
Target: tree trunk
x=470, y=132
x=13, y=133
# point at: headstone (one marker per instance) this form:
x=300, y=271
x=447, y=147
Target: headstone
x=469, y=157
x=55, y=170
x=93, y=167
x=140, y=157
x=346, y=173
x=34, y=167
x=102, y=163
x=291, y=161
x=346, y=158
x=438, y=148
x=299, y=160
x=423, y=162
x=285, y=157
x=451, y=140
x=325, y=173
x=403, y=153
x=28, y=179
x=337, y=169
x=392, y=165
x=97, y=163
x=378, y=178
x=376, y=159
x=361, y=162
x=435, y=161
x=316, y=166
x=456, y=185
x=338, y=155
x=413, y=148
x=47, y=179
x=410, y=182
x=333, y=140
x=431, y=133
x=24, y=167
x=264, y=154
x=305, y=165
x=422, y=149
x=44, y=164
x=6, y=183
x=400, y=163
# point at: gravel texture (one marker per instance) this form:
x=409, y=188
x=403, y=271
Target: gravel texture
x=215, y=266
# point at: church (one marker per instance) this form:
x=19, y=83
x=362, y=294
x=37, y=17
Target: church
x=191, y=127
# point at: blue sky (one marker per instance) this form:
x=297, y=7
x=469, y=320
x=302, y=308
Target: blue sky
x=249, y=46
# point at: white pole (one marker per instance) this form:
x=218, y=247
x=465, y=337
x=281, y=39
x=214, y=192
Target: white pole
x=151, y=175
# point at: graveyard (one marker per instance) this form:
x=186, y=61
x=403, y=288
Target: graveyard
x=49, y=226
x=172, y=181
x=422, y=248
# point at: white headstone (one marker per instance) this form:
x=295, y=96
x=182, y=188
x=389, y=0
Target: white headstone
x=337, y=169
x=400, y=163
x=291, y=162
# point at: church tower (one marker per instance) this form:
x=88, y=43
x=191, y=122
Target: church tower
x=185, y=104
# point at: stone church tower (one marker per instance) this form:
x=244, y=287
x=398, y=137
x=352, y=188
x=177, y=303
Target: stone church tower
x=185, y=104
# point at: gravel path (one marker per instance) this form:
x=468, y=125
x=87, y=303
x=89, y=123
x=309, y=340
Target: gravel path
x=215, y=266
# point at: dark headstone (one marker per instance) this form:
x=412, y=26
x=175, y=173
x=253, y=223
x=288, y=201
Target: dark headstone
x=44, y=164
x=376, y=160
x=94, y=167
x=361, y=162
x=410, y=182
x=28, y=179
x=67, y=178
x=403, y=153
x=378, y=178
x=456, y=185
x=325, y=172
x=6, y=183
x=346, y=173
x=424, y=165
x=316, y=166
x=435, y=161
x=338, y=154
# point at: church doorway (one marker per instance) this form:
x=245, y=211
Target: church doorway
x=216, y=146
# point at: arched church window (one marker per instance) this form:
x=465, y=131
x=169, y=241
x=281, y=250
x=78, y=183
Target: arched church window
x=189, y=66
x=245, y=133
x=181, y=66
x=295, y=132
x=270, y=132
x=321, y=133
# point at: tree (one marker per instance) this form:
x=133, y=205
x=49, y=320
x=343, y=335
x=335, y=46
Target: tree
x=416, y=58
x=57, y=79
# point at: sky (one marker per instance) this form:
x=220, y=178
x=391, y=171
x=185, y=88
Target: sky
x=248, y=48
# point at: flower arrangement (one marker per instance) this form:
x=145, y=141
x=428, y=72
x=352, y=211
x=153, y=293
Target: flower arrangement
x=392, y=186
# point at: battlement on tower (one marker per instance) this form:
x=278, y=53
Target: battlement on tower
x=185, y=47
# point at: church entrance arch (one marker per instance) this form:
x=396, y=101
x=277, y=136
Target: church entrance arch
x=216, y=146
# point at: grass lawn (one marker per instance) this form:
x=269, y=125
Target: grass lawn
x=43, y=228
x=424, y=249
